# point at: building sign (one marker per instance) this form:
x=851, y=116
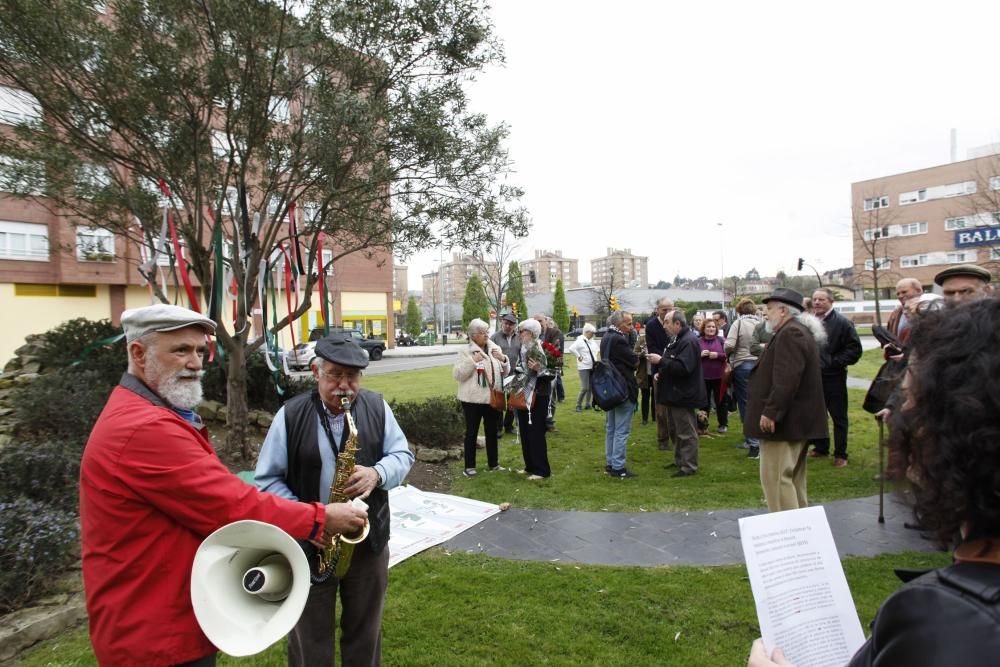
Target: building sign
x=981, y=236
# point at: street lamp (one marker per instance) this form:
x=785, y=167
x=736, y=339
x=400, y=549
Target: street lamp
x=802, y=263
x=722, y=268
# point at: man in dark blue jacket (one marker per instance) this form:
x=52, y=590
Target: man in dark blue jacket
x=615, y=349
x=842, y=349
x=681, y=388
x=657, y=339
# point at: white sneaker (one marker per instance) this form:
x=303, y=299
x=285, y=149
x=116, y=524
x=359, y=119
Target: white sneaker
x=469, y=472
x=535, y=477
x=497, y=469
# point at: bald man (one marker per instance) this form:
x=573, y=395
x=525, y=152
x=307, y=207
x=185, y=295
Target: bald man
x=906, y=289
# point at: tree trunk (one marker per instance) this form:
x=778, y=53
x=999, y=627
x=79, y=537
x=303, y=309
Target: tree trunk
x=236, y=401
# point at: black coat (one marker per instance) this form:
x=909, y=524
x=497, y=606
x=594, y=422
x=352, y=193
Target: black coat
x=656, y=336
x=843, y=347
x=946, y=617
x=681, y=383
x=616, y=351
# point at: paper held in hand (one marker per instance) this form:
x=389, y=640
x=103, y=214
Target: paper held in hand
x=803, y=602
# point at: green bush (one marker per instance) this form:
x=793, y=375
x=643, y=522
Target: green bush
x=69, y=345
x=262, y=392
x=45, y=471
x=61, y=406
x=36, y=540
x=436, y=421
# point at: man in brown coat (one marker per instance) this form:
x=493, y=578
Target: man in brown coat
x=785, y=406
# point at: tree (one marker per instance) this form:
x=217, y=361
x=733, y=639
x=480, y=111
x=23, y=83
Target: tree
x=475, y=304
x=496, y=267
x=515, y=292
x=604, y=294
x=871, y=219
x=242, y=109
x=414, y=322
x=559, y=311
x=662, y=284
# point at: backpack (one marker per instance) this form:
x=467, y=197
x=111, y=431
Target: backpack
x=607, y=384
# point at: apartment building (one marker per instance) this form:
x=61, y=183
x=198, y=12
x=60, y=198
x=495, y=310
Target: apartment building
x=448, y=283
x=541, y=272
x=400, y=287
x=54, y=268
x=917, y=223
x=620, y=269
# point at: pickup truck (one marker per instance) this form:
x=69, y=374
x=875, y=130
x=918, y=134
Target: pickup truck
x=302, y=355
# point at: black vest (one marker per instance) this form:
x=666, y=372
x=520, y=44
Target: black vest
x=304, y=462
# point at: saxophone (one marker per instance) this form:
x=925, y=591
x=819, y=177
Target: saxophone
x=336, y=559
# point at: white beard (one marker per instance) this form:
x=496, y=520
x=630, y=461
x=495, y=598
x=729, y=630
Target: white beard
x=181, y=389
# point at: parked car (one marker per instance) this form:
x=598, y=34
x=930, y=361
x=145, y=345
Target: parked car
x=302, y=355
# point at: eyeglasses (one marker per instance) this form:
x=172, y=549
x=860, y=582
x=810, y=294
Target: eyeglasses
x=341, y=377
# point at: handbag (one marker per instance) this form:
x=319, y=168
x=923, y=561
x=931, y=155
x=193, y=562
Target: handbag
x=517, y=401
x=886, y=380
x=498, y=399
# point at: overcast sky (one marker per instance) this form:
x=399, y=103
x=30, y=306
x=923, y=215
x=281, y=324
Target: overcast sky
x=645, y=124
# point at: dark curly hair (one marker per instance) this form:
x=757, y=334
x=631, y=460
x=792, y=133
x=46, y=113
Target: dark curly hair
x=952, y=419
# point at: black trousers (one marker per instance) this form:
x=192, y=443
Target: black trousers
x=647, y=400
x=362, y=597
x=712, y=388
x=474, y=413
x=835, y=395
x=207, y=661
x=534, y=448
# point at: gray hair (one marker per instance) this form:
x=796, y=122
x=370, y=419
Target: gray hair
x=477, y=326
x=588, y=327
x=664, y=301
x=615, y=318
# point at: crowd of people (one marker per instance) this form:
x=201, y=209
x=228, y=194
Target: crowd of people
x=150, y=477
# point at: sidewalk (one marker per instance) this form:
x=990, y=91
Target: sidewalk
x=421, y=351
x=672, y=538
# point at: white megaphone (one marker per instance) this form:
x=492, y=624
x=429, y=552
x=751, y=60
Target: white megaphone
x=249, y=584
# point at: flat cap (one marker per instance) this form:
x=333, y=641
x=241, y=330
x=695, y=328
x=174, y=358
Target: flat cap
x=785, y=295
x=509, y=317
x=963, y=270
x=162, y=317
x=341, y=348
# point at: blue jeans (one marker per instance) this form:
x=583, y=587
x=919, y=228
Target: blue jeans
x=741, y=381
x=617, y=426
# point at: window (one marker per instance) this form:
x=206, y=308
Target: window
x=961, y=256
x=884, y=263
x=995, y=183
x=94, y=244
x=153, y=189
x=875, y=234
x=995, y=254
x=970, y=221
x=20, y=176
x=913, y=260
x=279, y=109
x=327, y=260
x=45, y=289
x=913, y=228
x=90, y=178
x=913, y=197
x=231, y=205
x=222, y=148
x=166, y=256
x=17, y=106
x=24, y=241
x=876, y=202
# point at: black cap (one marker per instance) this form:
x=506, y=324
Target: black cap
x=970, y=270
x=340, y=348
x=786, y=295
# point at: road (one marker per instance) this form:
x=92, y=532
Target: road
x=394, y=364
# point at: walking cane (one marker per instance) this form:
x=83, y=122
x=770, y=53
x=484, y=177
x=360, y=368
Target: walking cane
x=881, y=469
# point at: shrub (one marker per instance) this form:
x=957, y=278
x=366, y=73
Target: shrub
x=64, y=346
x=36, y=540
x=262, y=393
x=45, y=471
x=437, y=421
x=61, y=406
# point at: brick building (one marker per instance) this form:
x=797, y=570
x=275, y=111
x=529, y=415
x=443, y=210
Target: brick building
x=541, y=272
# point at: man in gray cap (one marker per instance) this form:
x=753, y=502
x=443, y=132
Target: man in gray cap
x=964, y=283
x=298, y=461
x=510, y=344
x=152, y=488
x=785, y=406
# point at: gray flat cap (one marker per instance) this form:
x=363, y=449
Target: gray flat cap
x=162, y=317
x=970, y=270
x=340, y=348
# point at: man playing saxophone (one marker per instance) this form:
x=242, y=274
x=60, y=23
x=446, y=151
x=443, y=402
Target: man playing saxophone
x=298, y=461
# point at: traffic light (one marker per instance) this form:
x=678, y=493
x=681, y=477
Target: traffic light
x=613, y=302
x=801, y=262
x=513, y=308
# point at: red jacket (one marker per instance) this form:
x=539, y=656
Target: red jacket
x=151, y=489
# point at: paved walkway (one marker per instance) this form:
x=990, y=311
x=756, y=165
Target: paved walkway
x=671, y=538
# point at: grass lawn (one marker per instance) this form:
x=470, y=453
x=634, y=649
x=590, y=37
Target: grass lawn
x=867, y=367
x=726, y=478
x=459, y=609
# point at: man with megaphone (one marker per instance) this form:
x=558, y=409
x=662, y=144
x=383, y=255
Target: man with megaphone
x=299, y=460
x=152, y=488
